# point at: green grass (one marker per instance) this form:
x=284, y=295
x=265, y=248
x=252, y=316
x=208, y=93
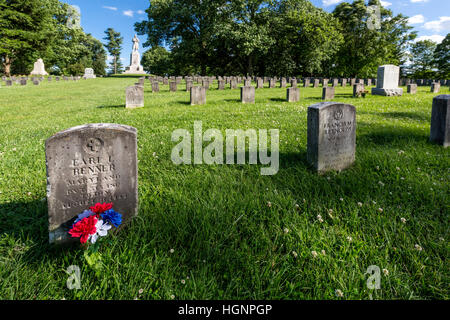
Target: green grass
x=228, y=242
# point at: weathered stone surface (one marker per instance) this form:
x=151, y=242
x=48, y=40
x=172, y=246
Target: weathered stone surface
x=248, y=94
x=35, y=82
x=327, y=93
x=198, y=95
x=293, y=94
x=283, y=83
x=435, y=87
x=294, y=83
x=411, y=88
x=335, y=82
x=233, y=84
x=220, y=84
x=89, y=164
x=344, y=82
x=155, y=86
x=316, y=83
x=8, y=83
x=247, y=82
x=331, y=136
x=440, y=120
x=387, y=84
x=306, y=83
x=272, y=82
x=24, y=82
x=205, y=84
x=134, y=96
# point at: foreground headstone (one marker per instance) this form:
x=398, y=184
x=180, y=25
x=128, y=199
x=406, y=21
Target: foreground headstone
x=411, y=88
x=198, y=95
x=327, y=93
x=331, y=136
x=89, y=164
x=440, y=120
x=134, y=96
x=248, y=94
x=387, y=84
x=293, y=94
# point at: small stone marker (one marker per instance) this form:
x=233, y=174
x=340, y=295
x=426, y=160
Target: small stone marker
x=327, y=93
x=155, y=86
x=316, y=83
x=8, y=83
x=331, y=136
x=233, y=84
x=440, y=120
x=387, y=84
x=343, y=82
x=24, y=82
x=248, y=94
x=294, y=83
x=89, y=73
x=411, y=88
x=188, y=85
x=306, y=83
x=86, y=165
x=198, y=95
x=220, y=84
x=293, y=94
x=259, y=83
x=272, y=83
x=35, y=82
x=172, y=86
x=205, y=84
x=358, y=90
x=283, y=83
x=435, y=87
x=134, y=97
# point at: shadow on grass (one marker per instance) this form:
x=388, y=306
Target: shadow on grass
x=388, y=136
x=400, y=115
x=277, y=100
x=112, y=106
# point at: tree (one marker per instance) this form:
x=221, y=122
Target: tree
x=186, y=26
x=157, y=60
x=114, y=47
x=26, y=28
x=422, y=59
x=442, y=58
x=370, y=39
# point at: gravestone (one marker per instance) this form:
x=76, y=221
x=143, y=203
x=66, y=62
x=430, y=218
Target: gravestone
x=293, y=94
x=352, y=81
x=233, y=84
x=294, y=83
x=198, y=95
x=435, y=87
x=188, y=85
x=324, y=82
x=335, y=82
x=344, y=82
x=24, y=82
x=306, y=82
x=331, y=136
x=35, y=82
x=440, y=120
x=89, y=164
x=248, y=94
x=155, y=86
x=247, y=83
x=173, y=86
x=205, y=84
x=8, y=83
x=272, y=83
x=316, y=83
x=411, y=88
x=259, y=83
x=134, y=96
x=327, y=93
x=220, y=84
x=387, y=84
x=49, y=79
x=89, y=73
x=283, y=83
x=358, y=90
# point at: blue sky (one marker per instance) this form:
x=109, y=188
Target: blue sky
x=431, y=18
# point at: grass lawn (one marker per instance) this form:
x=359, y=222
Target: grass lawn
x=228, y=242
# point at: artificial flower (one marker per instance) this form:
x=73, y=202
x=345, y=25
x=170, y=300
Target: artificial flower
x=100, y=208
x=101, y=230
x=112, y=217
x=84, y=228
x=85, y=214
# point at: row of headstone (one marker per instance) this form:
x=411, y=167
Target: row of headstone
x=97, y=163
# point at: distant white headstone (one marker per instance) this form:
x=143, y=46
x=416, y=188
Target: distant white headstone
x=387, y=84
x=39, y=68
x=89, y=73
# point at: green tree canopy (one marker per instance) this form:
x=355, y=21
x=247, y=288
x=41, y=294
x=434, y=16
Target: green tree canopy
x=422, y=59
x=114, y=47
x=442, y=58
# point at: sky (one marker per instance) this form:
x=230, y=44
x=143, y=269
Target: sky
x=430, y=18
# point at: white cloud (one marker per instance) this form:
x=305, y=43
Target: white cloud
x=443, y=24
x=416, y=1
x=416, y=19
x=110, y=8
x=385, y=3
x=327, y=3
x=435, y=37
x=140, y=12
x=128, y=13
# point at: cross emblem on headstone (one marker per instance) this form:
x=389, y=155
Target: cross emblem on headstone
x=93, y=144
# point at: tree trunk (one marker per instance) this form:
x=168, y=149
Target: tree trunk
x=115, y=64
x=250, y=65
x=7, y=66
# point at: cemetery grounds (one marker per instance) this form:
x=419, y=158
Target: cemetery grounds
x=226, y=231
